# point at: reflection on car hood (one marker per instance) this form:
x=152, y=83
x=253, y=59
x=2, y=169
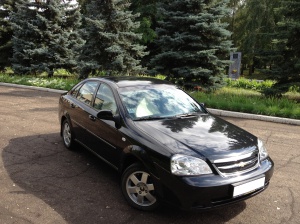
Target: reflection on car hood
x=207, y=135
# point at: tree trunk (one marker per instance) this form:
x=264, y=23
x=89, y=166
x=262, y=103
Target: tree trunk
x=250, y=69
x=50, y=73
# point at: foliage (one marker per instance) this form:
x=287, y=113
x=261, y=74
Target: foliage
x=254, y=24
x=294, y=89
x=249, y=102
x=286, y=56
x=45, y=36
x=243, y=83
x=192, y=42
x=148, y=34
x=147, y=10
x=111, y=42
x=6, y=32
x=227, y=98
x=54, y=82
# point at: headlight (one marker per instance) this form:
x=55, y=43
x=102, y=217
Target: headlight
x=183, y=165
x=263, y=154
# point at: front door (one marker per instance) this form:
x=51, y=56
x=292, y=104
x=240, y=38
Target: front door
x=110, y=140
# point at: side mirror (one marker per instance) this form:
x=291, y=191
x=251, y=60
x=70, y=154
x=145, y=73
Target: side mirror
x=108, y=115
x=105, y=115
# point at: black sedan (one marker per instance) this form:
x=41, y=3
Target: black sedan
x=166, y=146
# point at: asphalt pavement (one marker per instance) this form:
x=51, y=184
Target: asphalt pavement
x=42, y=182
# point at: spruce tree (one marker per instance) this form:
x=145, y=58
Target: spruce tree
x=6, y=32
x=255, y=24
x=286, y=56
x=148, y=21
x=111, y=43
x=46, y=36
x=193, y=42
x=148, y=16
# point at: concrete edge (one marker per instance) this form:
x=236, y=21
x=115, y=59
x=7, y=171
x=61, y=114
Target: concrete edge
x=32, y=87
x=217, y=112
x=254, y=116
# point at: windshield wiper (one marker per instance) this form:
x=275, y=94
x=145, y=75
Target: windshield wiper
x=148, y=118
x=186, y=115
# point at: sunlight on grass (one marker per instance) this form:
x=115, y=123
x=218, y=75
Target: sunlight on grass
x=54, y=83
x=249, y=101
x=226, y=98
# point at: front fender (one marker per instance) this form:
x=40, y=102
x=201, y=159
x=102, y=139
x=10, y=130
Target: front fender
x=136, y=153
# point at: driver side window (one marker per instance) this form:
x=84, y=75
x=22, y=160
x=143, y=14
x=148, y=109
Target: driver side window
x=104, y=99
x=85, y=93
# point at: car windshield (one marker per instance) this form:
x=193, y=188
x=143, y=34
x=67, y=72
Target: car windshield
x=157, y=102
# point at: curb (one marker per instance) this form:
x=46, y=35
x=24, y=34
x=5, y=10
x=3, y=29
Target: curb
x=217, y=112
x=32, y=87
x=281, y=120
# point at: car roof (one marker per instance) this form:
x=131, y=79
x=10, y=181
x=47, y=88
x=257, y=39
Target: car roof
x=126, y=81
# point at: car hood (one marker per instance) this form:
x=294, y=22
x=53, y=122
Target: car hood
x=207, y=135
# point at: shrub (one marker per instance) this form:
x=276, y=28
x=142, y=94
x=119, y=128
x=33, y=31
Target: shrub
x=250, y=84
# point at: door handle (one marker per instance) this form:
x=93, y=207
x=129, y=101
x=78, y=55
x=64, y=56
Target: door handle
x=91, y=117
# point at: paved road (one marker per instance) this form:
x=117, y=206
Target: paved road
x=42, y=182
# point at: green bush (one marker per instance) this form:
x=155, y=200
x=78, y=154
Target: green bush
x=250, y=84
x=294, y=89
x=53, y=83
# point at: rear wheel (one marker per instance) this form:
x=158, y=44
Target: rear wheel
x=67, y=135
x=138, y=188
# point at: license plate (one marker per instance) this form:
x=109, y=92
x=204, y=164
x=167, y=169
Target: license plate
x=248, y=187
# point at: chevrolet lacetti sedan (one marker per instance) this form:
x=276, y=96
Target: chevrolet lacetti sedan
x=166, y=146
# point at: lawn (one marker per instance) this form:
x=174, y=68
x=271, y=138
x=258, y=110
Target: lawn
x=57, y=82
x=241, y=96
x=251, y=101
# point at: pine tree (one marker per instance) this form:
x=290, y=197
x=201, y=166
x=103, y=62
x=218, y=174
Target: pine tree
x=193, y=42
x=46, y=36
x=111, y=44
x=148, y=21
x=255, y=24
x=286, y=56
x=148, y=15
x=6, y=32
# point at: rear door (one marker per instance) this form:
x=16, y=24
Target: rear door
x=81, y=109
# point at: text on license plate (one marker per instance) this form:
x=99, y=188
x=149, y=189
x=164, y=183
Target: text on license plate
x=248, y=187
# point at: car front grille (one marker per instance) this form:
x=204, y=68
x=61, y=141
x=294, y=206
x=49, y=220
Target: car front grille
x=237, y=165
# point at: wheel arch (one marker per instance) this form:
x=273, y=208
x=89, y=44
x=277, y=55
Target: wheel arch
x=136, y=154
x=64, y=117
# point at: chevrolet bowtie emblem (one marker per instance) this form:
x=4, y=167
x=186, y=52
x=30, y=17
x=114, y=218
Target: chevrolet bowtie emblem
x=242, y=164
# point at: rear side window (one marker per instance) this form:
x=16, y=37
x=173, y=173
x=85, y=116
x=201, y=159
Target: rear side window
x=87, y=92
x=75, y=91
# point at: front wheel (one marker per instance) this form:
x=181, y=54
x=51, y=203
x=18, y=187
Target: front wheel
x=138, y=188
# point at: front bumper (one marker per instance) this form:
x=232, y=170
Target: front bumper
x=208, y=191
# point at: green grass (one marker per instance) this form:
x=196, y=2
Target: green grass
x=57, y=82
x=61, y=80
x=244, y=97
x=250, y=84
x=249, y=101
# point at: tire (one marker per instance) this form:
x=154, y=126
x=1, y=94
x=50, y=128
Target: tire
x=138, y=188
x=67, y=135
